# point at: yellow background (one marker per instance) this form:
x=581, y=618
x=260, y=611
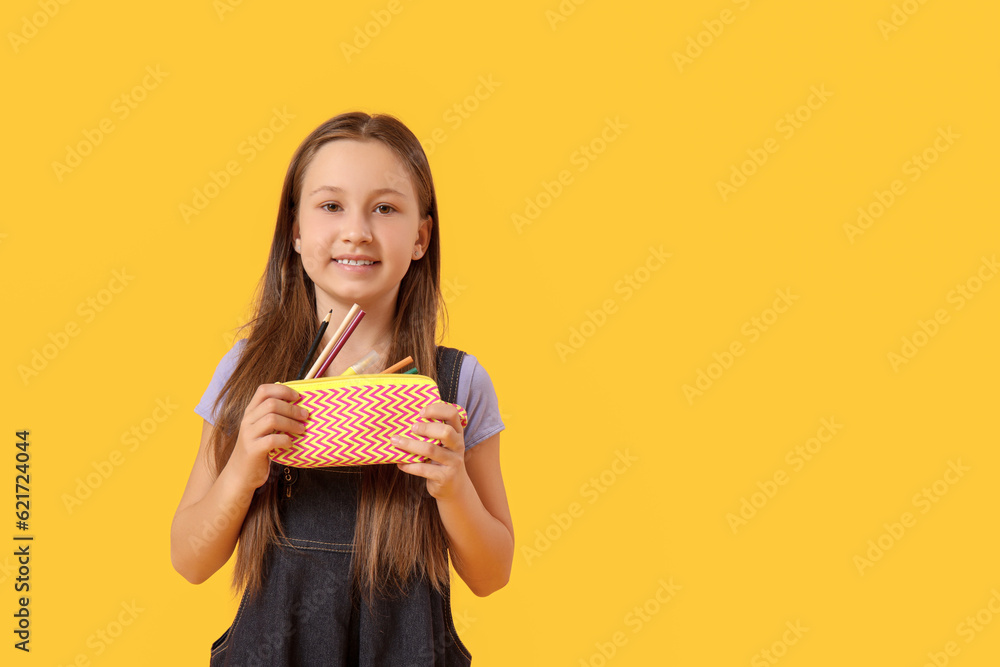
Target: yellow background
x=517, y=294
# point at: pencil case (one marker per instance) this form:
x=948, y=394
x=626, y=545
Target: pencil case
x=353, y=417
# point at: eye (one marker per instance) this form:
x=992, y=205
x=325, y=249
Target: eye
x=384, y=206
x=324, y=206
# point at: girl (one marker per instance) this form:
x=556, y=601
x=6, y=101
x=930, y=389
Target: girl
x=347, y=565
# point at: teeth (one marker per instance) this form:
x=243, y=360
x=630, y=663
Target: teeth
x=355, y=262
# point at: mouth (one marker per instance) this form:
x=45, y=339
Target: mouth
x=356, y=262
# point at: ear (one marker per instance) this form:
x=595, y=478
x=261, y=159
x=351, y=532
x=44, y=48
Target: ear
x=296, y=239
x=424, y=235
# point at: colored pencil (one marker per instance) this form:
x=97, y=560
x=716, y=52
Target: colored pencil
x=396, y=367
x=362, y=364
x=340, y=343
x=312, y=349
x=333, y=341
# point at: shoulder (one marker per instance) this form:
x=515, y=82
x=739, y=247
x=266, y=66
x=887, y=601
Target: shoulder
x=223, y=370
x=474, y=375
x=478, y=396
x=229, y=360
x=471, y=373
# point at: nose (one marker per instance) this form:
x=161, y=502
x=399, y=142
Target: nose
x=356, y=228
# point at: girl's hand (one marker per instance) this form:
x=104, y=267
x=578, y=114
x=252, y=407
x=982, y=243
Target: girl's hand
x=445, y=472
x=269, y=418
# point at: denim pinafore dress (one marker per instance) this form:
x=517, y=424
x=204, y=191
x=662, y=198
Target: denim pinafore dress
x=308, y=611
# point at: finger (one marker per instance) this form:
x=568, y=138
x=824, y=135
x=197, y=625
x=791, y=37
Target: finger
x=275, y=423
x=286, y=408
x=276, y=441
x=431, y=450
x=451, y=413
x=425, y=470
x=274, y=390
x=279, y=407
x=441, y=432
x=272, y=398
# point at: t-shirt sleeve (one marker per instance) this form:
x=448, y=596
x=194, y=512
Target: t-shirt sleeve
x=477, y=396
x=222, y=373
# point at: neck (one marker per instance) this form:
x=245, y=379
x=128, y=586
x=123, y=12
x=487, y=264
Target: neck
x=372, y=333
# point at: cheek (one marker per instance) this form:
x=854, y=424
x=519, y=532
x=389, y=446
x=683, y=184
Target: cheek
x=313, y=257
x=314, y=244
x=311, y=264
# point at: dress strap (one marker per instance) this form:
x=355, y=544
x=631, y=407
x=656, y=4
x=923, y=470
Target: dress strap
x=449, y=367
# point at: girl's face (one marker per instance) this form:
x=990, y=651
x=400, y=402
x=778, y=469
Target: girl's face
x=358, y=202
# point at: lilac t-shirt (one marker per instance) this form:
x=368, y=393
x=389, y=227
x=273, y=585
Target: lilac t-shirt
x=475, y=394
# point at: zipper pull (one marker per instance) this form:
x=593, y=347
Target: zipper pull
x=288, y=478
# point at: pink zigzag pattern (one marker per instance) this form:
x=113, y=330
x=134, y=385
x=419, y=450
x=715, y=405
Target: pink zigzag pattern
x=351, y=425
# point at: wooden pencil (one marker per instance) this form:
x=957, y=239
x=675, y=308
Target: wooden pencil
x=312, y=349
x=340, y=343
x=333, y=341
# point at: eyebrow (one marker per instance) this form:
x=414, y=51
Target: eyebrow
x=377, y=192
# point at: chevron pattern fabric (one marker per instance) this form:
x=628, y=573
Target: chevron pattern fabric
x=351, y=422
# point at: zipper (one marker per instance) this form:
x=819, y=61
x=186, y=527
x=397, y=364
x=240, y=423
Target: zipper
x=353, y=379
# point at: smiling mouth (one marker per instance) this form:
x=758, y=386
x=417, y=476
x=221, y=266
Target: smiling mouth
x=356, y=262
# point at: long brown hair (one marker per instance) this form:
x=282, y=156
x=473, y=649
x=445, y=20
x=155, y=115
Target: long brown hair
x=398, y=533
